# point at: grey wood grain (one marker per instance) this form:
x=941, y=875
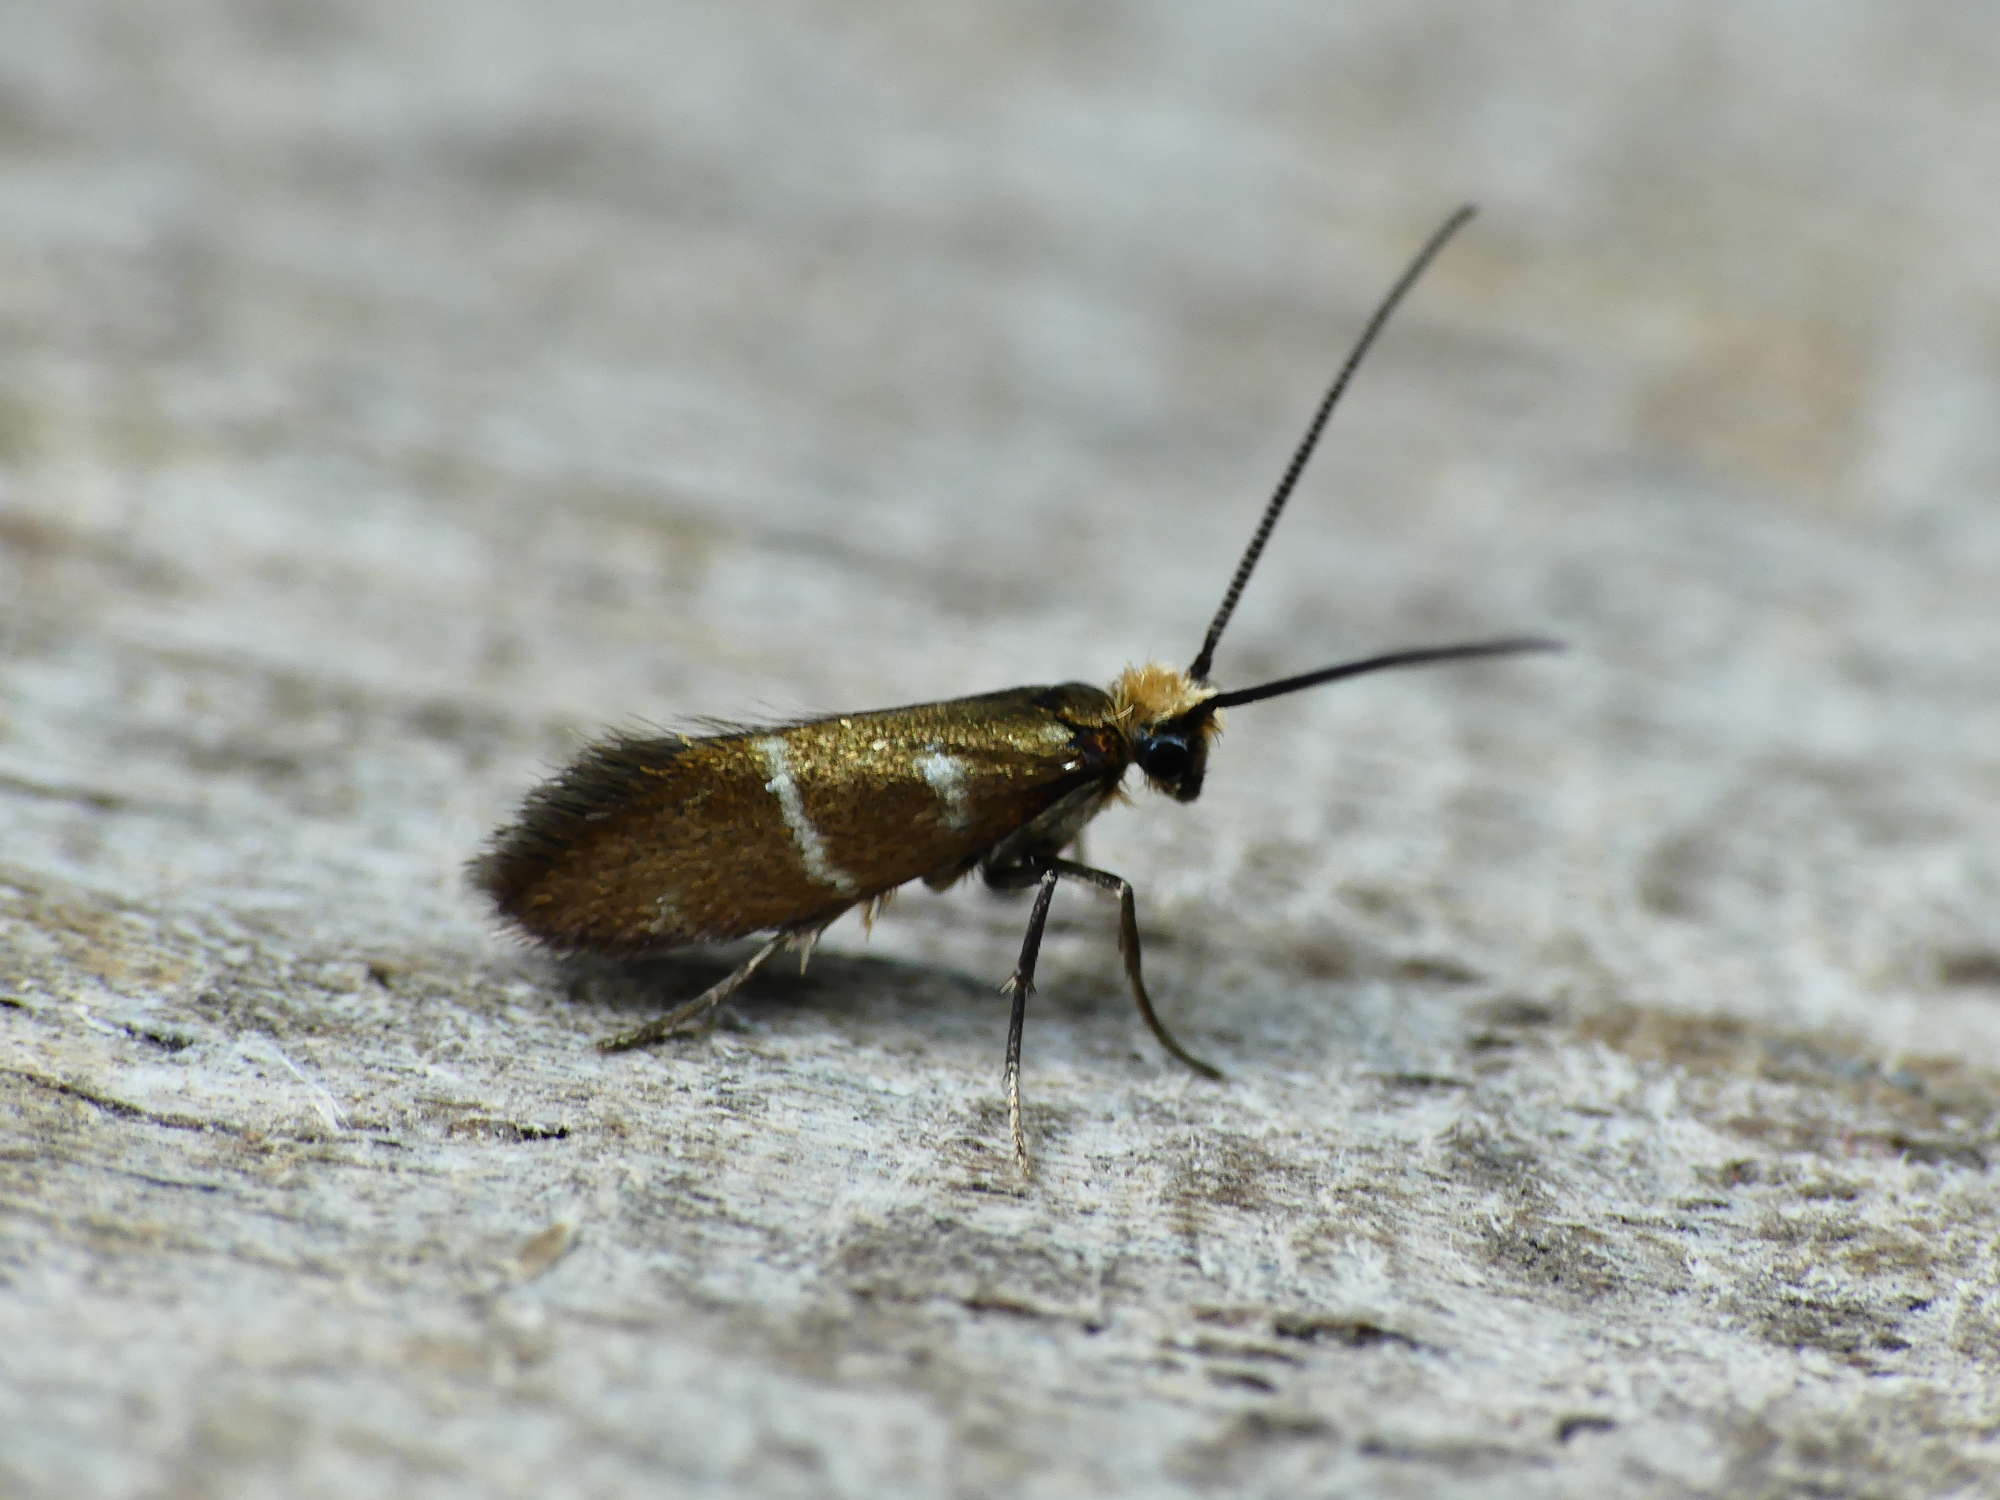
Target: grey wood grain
x=390, y=395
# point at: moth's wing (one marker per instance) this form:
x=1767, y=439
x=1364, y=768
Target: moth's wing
x=926, y=789
x=652, y=843
x=634, y=845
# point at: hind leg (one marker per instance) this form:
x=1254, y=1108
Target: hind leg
x=693, y=1010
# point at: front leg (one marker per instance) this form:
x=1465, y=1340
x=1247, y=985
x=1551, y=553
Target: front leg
x=1046, y=870
x=1128, y=948
x=1021, y=984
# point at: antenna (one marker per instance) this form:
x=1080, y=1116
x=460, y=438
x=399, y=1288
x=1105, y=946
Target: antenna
x=1511, y=646
x=1206, y=656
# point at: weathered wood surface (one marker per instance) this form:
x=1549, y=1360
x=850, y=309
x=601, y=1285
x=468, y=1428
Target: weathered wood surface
x=390, y=393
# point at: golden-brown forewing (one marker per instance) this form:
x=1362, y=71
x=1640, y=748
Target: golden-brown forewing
x=651, y=843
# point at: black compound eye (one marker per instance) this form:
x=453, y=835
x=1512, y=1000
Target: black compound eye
x=1165, y=757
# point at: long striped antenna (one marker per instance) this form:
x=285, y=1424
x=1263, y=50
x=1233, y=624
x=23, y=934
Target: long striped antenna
x=1514, y=645
x=1206, y=656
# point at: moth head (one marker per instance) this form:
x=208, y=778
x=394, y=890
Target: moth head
x=1167, y=717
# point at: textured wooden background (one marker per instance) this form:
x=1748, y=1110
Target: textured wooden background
x=390, y=394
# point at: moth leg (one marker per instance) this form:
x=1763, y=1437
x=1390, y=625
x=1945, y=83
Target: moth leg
x=805, y=942
x=1021, y=984
x=1128, y=948
x=700, y=1005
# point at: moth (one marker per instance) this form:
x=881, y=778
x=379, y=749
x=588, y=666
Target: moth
x=645, y=844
